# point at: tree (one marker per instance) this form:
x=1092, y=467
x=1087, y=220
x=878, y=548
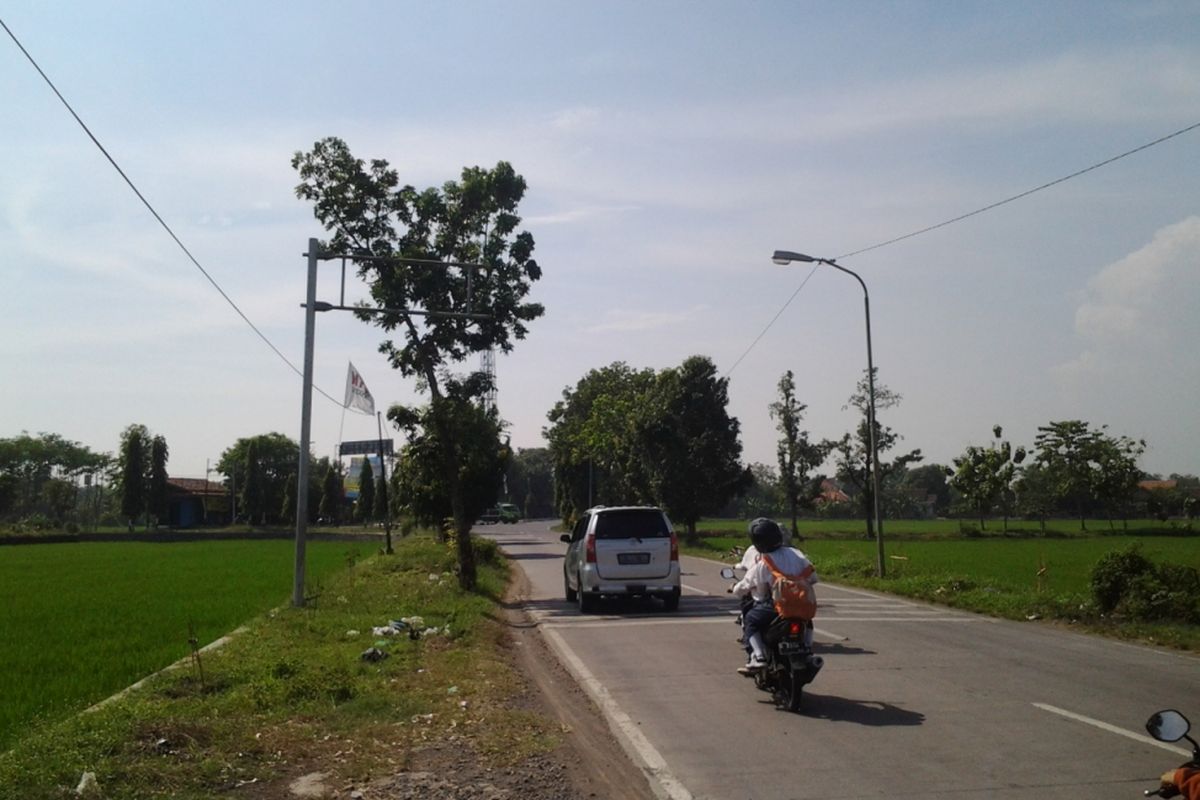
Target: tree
x=381, y=500
x=797, y=456
x=531, y=481
x=692, y=445
x=364, y=507
x=330, y=507
x=853, y=452
x=1036, y=492
x=1118, y=474
x=1069, y=452
x=472, y=220
x=275, y=457
x=984, y=475
x=287, y=511
x=595, y=440
x=929, y=481
x=762, y=497
x=157, y=491
x=28, y=464
x=135, y=442
x=418, y=479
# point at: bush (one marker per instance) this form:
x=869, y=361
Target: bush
x=1113, y=574
x=1128, y=583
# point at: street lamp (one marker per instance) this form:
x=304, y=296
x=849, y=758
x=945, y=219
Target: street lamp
x=785, y=257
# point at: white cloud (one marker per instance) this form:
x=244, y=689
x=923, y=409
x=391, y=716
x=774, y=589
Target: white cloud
x=1144, y=303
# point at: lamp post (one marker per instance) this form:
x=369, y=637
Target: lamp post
x=786, y=257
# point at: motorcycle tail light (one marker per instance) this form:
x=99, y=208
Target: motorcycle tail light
x=794, y=629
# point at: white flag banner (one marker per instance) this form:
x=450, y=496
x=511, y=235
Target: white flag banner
x=357, y=394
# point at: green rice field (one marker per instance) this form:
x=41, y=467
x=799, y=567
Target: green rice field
x=82, y=621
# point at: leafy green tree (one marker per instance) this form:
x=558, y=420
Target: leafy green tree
x=763, y=497
x=472, y=220
x=418, y=477
x=157, y=491
x=364, y=507
x=1069, y=451
x=133, y=465
x=332, y=494
x=531, y=481
x=692, y=445
x=1118, y=474
x=797, y=456
x=984, y=475
x=928, y=481
x=29, y=463
x=852, y=452
x=1036, y=492
x=595, y=440
x=275, y=457
x=380, y=511
x=287, y=511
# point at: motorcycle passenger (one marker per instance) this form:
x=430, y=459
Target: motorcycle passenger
x=767, y=538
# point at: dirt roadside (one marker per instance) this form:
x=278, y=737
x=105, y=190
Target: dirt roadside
x=589, y=763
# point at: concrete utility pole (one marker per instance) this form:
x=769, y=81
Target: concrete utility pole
x=310, y=329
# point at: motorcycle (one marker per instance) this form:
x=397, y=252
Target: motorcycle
x=1171, y=726
x=791, y=664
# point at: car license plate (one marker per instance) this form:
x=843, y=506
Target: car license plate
x=633, y=558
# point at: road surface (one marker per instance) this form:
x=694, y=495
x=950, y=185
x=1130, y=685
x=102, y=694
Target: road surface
x=915, y=700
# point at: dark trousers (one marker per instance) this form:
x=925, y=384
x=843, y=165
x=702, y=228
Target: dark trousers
x=756, y=620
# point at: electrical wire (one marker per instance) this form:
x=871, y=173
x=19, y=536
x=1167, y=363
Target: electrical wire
x=156, y=215
x=960, y=218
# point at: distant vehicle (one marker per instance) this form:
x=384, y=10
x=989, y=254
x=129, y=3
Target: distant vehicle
x=623, y=551
x=505, y=512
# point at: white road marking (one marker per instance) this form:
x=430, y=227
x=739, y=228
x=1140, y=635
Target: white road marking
x=693, y=589
x=1104, y=726
x=664, y=784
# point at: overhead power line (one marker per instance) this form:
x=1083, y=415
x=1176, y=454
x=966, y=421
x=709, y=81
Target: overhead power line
x=960, y=218
x=156, y=215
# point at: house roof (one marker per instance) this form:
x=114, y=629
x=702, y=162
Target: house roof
x=197, y=486
x=1150, y=486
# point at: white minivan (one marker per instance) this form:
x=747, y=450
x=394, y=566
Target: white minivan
x=621, y=550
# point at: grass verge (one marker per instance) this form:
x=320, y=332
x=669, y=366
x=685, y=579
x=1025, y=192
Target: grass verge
x=293, y=694
x=1020, y=579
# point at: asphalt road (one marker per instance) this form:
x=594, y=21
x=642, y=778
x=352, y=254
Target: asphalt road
x=914, y=700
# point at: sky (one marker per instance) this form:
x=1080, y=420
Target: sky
x=669, y=148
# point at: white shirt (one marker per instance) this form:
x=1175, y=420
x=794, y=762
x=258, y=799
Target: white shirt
x=758, y=578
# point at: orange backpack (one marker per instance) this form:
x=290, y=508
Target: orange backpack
x=793, y=595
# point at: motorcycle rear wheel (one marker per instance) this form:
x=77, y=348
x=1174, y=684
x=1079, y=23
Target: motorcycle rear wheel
x=790, y=692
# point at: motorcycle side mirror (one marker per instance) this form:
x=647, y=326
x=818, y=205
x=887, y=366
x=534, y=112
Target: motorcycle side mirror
x=727, y=573
x=1168, y=725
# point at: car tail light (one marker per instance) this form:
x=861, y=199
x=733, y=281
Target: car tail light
x=674, y=547
x=590, y=549
x=794, y=629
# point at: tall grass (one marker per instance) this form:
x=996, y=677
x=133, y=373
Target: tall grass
x=81, y=621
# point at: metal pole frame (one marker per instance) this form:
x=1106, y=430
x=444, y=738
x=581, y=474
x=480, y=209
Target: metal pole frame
x=311, y=307
x=878, y=518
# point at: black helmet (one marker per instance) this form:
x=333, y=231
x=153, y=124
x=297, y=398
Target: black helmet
x=765, y=535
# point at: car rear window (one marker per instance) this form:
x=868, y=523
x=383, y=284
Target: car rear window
x=647, y=524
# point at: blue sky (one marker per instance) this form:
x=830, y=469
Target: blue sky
x=669, y=149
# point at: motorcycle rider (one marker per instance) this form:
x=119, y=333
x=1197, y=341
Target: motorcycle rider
x=766, y=538
x=1185, y=780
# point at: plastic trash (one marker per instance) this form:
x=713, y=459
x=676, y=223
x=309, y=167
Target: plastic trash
x=373, y=654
